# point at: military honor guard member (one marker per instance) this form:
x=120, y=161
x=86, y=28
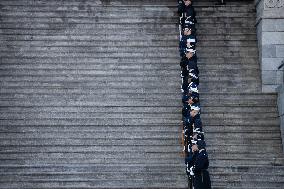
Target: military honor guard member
x=201, y=178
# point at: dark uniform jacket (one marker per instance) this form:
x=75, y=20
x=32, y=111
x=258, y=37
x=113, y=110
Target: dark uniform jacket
x=187, y=11
x=189, y=121
x=183, y=43
x=185, y=61
x=188, y=64
x=201, y=178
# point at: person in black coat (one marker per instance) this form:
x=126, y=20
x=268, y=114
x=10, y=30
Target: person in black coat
x=189, y=68
x=188, y=40
x=189, y=60
x=191, y=119
x=201, y=177
x=187, y=12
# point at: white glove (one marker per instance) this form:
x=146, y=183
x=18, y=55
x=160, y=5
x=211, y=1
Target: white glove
x=191, y=171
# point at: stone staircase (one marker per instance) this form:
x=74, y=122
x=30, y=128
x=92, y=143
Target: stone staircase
x=90, y=97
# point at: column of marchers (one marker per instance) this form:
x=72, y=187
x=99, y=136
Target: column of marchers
x=194, y=151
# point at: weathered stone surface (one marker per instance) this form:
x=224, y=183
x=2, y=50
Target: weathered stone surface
x=270, y=19
x=273, y=38
x=78, y=111
x=271, y=63
x=280, y=91
x=280, y=51
x=269, y=51
x=273, y=25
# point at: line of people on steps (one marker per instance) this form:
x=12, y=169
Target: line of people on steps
x=194, y=146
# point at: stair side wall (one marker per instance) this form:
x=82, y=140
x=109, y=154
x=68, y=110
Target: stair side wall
x=281, y=111
x=270, y=34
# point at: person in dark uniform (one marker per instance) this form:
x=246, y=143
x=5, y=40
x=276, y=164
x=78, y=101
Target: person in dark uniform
x=190, y=159
x=192, y=150
x=189, y=69
x=183, y=5
x=189, y=61
x=201, y=178
x=187, y=12
x=188, y=39
x=191, y=119
x=191, y=54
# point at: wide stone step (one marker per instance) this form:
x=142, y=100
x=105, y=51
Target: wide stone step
x=14, y=72
x=138, y=142
x=114, y=30
x=203, y=67
x=137, y=135
x=89, y=175
x=237, y=27
x=105, y=60
x=155, y=148
x=267, y=98
x=154, y=113
x=213, y=86
x=159, y=167
x=118, y=49
x=140, y=94
x=78, y=176
x=155, y=128
x=252, y=177
x=123, y=37
x=250, y=184
x=135, y=84
x=19, y=89
x=94, y=183
x=113, y=72
x=126, y=19
x=175, y=110
x=160, y=12
x=140, y=158
x=90, y=101
x=137, y=43
x=80, y=30
x=123, y=3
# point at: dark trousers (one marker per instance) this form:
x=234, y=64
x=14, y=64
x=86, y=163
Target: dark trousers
x=202, y=180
